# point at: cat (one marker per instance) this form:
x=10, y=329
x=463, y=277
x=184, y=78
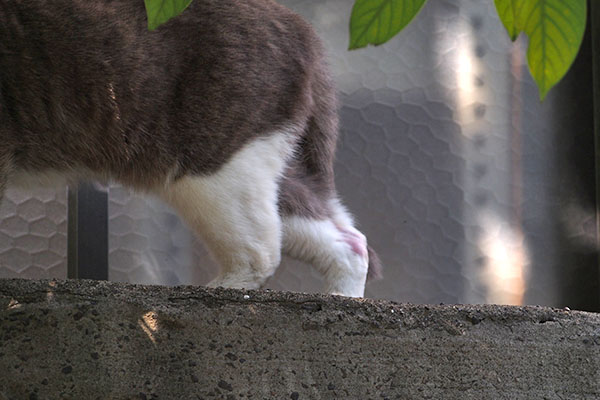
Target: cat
x=226, y=112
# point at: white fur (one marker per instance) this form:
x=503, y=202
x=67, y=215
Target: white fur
x=322, y=244
x=340, y=215
x=235, y=210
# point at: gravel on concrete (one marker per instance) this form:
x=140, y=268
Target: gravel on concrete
x=105, y=340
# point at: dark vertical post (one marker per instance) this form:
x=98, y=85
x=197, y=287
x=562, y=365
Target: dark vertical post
x=87, y=233
x=594, y=16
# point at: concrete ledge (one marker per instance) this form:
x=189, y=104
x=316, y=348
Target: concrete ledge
x=101, y=340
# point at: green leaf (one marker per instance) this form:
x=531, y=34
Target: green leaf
x=160, y=11
x=507, y=13
x=377, y=21
x=555, y=29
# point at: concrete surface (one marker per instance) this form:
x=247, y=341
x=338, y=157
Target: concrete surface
x=101, y=340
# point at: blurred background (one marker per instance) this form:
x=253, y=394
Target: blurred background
x=469, y=188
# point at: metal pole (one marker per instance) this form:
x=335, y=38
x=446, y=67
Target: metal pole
x=87, y=233
x=594, y=16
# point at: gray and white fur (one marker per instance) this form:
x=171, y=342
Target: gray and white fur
x=226, y=112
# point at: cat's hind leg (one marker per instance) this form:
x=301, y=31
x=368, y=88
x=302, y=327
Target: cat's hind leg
x=317, y=229
x=332, y=245
x=235, y=210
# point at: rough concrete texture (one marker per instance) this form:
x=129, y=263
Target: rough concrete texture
x=102, y=340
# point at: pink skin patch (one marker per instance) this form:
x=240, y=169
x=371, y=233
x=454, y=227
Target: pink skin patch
x=355, y=240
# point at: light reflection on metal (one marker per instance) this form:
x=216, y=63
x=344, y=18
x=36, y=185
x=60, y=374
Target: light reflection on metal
x=465, y=79
x=506, y=260
x=499, y=260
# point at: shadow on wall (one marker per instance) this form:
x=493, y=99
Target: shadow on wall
x=579, y=271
